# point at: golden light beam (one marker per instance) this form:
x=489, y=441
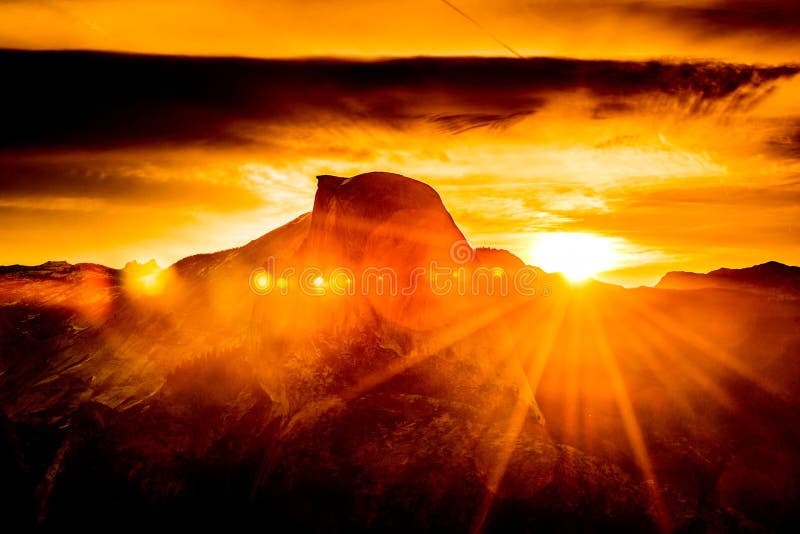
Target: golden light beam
x=527, y=365
x=646, y=343
x=718, y=354
x=629, y=419
x=657, y=334
x=519, y=413
x=449, y=335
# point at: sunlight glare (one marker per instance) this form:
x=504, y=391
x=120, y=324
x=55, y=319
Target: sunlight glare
x=148, y=279
x=575, y=255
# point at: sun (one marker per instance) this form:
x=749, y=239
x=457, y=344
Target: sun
x=145, y=279
x=576, y=255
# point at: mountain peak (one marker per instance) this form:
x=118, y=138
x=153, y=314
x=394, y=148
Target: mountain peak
x=364, y=218
x=396, y=190
x=328, y=181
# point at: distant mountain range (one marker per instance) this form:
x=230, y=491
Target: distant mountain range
x=183, y=398
x=771, y=276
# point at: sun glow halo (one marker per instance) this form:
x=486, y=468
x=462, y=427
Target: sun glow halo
x=149, y=279
x=576, y=255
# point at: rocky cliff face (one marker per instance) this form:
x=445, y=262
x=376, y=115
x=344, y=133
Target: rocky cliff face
x=365, y=219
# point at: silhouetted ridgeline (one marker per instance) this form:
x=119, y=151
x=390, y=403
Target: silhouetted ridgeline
x=772, y=276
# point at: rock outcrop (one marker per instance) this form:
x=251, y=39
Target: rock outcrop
x=379, y=219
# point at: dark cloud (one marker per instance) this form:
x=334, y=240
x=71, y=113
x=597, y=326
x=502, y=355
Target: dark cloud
x=770, y=18
x=460, y=123
x=81, y=100
x=786, y=143
x=119, y=182
x=767, y=20
x=609, y=108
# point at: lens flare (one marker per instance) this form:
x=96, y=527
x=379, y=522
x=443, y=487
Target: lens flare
x=261, y=281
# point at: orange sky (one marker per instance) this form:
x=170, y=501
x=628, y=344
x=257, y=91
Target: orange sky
x=741, y=30
x=677, y=173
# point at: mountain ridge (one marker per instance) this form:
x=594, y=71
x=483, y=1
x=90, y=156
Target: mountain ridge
x=771, y=276
x=679, y=280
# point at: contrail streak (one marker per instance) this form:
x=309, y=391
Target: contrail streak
x=482, y=28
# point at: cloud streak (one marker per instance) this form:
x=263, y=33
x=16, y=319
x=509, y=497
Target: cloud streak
x=74, y=100
x=708, y=20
